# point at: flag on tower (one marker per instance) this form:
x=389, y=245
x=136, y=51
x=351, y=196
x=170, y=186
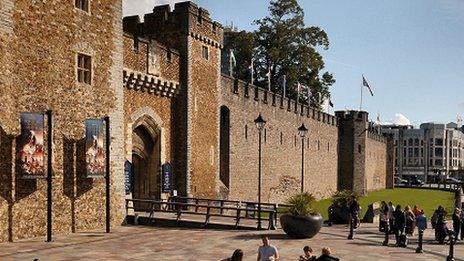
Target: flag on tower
x=298, y=92
x=252, y=71
x=283, y=83
x=233, y=61
x=366, y=84
x=268, y=75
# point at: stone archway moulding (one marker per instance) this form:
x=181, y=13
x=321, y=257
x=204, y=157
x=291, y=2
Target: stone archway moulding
x=147, y=116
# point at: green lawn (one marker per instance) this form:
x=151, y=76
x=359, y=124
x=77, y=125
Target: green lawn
x=425, y=198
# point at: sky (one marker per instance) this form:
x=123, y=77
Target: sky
x=411, y=52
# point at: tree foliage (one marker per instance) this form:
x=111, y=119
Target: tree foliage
x=284, y=45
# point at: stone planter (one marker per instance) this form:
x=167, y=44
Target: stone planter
x=301, y=226
x=339, y=215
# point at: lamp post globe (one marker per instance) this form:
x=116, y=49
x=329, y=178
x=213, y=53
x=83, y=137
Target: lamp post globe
x=302, y=130
x=260, y=123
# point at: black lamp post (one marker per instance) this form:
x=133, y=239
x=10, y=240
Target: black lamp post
x=302, y=131
x=260, y=123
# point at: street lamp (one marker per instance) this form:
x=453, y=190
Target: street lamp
x=260, y=123
x=302, y=131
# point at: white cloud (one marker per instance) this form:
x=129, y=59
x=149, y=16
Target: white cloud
x=400, y=119
x=141, y=7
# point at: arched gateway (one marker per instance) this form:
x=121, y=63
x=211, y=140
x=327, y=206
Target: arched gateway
x=146, y=156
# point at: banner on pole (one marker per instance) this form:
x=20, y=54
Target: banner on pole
x=31, y=145
x=94, y=148
x=128, y=176
x=166, y=178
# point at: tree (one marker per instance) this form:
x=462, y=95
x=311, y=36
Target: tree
x=242, y=44
x=286, y=47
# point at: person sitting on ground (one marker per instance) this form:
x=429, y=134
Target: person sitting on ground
x=267, y=252
x=326, y=255
x=421, y=221
x=456, y=222
x=308, y=254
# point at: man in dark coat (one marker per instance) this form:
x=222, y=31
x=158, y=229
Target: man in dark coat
x=400, y=222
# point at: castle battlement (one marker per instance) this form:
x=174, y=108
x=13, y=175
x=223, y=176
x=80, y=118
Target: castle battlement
x=361, y=116
x=377, y=137
x=186, y=19
x=253, y=92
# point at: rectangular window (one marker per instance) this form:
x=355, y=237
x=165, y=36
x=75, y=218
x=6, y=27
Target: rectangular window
x=205, y=52
x=82, y=4
x=84, y=68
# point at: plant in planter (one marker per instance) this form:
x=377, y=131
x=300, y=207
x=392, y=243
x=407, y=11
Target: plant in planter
x=299, y=220
x=339, y=212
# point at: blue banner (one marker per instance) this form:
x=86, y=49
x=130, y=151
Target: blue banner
x=166, y=178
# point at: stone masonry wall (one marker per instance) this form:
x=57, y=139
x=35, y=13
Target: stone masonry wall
x=38, y=47
x=376, y=162
x=281, y=151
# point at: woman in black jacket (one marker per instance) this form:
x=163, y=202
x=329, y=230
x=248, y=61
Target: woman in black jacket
x=399, y=222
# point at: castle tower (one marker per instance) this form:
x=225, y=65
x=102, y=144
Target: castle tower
x=365, y=156
x=195, y=131
x=353, y=128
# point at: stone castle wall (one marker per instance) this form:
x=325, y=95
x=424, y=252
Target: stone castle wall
x=38, y=47
x=281, y=164
x=376, y=162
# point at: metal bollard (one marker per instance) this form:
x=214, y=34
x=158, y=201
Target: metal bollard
x=385, y=242
x=350, y=236
x=450, y=256
x=419, y=247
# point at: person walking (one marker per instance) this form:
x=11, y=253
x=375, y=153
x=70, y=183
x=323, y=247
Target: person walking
x=383, y=216
x=391, y=208
x=267, y=252
x=410, y=220
x=354, y=211
x=308, y=254
x=399, y=224
x=441, y=229
x=462, y=224
x=456, y=222
x=421, y=221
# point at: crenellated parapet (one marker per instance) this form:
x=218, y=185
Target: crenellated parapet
x=254, y=93
x=143, y=82
x=187, y=19
x=376, y=137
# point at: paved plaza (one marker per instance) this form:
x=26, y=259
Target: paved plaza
x=155, y=243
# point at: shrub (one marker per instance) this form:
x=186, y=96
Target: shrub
x=301, y=205
x=341, y=198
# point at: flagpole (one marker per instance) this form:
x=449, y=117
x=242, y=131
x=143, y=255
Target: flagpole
x=298, y=93
x=361, y=103
x=285, y=86
x=230, y=64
